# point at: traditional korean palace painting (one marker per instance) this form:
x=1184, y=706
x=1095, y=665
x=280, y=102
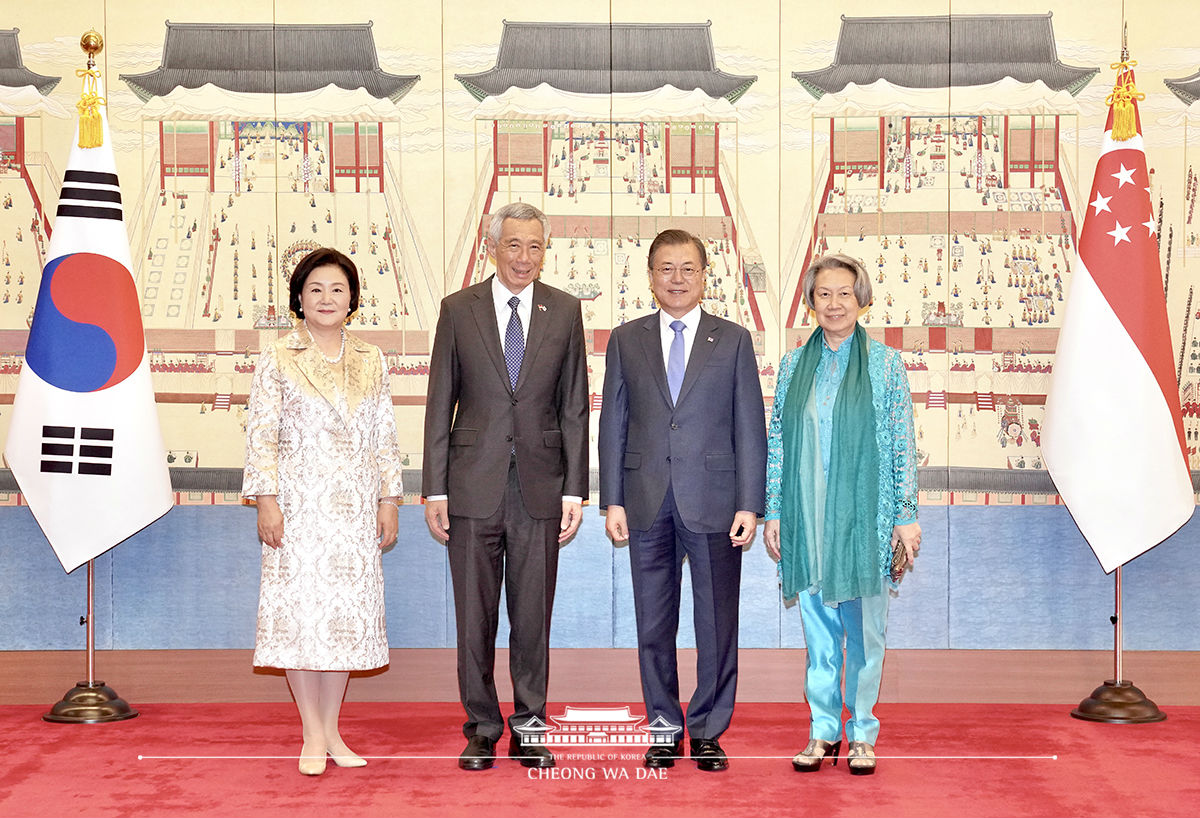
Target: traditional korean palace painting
x=964, y=217
x=951, y=153
x=1186, y=91
x=24, y=167
x=616, y=132
x=263, y=153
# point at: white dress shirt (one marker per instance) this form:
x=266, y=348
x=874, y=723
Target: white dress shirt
x=690, y=321
x=501, y=296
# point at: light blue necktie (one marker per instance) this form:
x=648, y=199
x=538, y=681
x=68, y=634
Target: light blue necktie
x=514, y=343
x=675, y=365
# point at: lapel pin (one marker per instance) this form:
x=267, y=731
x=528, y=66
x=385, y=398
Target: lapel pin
x=542, y=307
x=710, y=339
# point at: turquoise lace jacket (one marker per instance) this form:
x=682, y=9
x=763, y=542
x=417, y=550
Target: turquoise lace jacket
x=892, y=398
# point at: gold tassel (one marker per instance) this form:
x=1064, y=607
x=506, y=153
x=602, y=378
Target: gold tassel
x=91, y=127
x=1124, y=95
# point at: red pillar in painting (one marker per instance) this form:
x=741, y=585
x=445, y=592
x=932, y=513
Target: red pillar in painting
x=495, y=149
x=332, y=159
x=1032, y=152
x=882, y=149
x=1004, y=153
x=693, y=157
x=212, y=156
x=237, y=153
x=19, y=143
x=545, y=156
x=379, y=153
x=304, y=134
x=979, y=154
x=716, y=153
x=667, y=152
x=908, y=154
x=162, y=156
x=357, y=162
x=1057, y=119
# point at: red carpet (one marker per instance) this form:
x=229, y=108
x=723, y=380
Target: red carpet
x=976, y=760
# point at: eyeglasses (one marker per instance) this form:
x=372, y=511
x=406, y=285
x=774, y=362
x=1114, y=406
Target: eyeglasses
x=687, y=271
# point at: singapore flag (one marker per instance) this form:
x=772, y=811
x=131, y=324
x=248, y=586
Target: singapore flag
x=1113, y=438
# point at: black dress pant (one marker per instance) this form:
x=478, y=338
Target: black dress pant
x=522, y=552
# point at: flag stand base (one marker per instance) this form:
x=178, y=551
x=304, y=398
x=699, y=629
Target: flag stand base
x=90, y=703
x=1118, y=703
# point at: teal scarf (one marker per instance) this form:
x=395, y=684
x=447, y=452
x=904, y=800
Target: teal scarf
x=828, y=528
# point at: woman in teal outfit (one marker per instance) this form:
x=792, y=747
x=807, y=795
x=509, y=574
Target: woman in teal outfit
x=841, y=494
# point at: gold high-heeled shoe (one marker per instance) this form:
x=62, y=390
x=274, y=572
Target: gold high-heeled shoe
x=860, y=758
x=809, y=759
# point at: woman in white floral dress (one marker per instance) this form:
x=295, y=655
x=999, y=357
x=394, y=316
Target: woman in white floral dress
x=323, y=467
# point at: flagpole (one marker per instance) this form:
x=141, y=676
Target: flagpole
x=1118, y=701
x=91, y=622
x=1118, y=629
x=90, y=701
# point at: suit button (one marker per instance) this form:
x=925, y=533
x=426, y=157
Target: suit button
x=674, y=427
x=508, y=439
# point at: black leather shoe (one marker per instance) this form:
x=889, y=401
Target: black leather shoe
x=663, y=755
x=708, y=755
x=530, y=755
x=480, y=754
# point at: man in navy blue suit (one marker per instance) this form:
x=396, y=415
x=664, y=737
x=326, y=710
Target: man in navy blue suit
x=683, y=452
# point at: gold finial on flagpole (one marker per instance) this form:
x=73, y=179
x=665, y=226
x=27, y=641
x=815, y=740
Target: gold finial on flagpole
x=1124, y=94
x=91, y=128
x=92, y=44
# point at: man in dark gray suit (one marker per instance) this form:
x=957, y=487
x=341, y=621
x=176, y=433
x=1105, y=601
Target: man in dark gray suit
x=506, y=470
x=683, y=452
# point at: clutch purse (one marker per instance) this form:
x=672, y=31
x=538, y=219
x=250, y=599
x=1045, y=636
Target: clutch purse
x=899, y=561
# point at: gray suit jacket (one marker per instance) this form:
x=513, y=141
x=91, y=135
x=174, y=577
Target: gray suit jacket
x=474, y=418
x=711, y=447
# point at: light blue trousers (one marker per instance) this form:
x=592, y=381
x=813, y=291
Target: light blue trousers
x=857, y=629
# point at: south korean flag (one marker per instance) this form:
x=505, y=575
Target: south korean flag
x=84, y=443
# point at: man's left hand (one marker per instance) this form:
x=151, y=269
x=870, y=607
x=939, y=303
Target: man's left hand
x=741, y=533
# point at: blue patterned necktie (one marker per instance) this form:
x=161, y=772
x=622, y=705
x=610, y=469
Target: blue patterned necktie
x=675, y=364
x=514, y=343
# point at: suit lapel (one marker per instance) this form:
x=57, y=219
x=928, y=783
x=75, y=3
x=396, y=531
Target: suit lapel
x=651, y=342
x=706, y=340
x=484, y=310
x=540, y=317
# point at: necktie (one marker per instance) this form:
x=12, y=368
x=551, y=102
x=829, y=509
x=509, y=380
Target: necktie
x=675, y=364
x=514, y=343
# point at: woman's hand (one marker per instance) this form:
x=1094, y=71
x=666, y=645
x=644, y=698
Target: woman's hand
x=270, y=520
x=771, y=538
x=387, y=522
x=909, y=535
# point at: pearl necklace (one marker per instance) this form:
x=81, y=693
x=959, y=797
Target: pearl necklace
x=328, y=360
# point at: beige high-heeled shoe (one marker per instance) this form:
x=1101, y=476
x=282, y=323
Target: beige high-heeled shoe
x=312, y=765
x=351, y=760
x=860, y=758
x=809, y=759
